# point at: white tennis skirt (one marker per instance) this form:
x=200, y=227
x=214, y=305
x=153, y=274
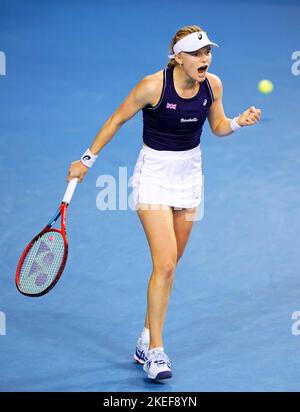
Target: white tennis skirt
x=172, y=178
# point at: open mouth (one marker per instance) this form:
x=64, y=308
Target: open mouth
x=202, y=69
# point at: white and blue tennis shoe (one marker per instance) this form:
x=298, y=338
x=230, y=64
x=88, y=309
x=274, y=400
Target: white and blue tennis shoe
x=158, y=365
x=141, y=351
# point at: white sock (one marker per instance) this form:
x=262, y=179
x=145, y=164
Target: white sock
x=160, y=349
x=145, y=335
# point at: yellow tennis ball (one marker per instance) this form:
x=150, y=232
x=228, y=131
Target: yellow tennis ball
x=265, y=86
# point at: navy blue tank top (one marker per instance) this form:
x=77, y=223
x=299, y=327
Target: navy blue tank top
x=175, y=123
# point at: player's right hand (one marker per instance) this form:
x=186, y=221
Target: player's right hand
x=77, y=169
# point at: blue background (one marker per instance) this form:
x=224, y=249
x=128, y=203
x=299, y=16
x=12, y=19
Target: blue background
x=228, y=327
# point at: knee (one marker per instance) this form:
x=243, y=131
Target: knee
x=165, y=269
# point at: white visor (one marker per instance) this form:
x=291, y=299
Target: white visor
x=192, y=42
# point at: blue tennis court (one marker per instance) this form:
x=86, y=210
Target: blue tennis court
x=232, y=320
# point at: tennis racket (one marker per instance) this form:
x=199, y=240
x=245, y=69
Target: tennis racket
x=45, y=257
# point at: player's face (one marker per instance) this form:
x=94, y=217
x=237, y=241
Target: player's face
x=196, y=63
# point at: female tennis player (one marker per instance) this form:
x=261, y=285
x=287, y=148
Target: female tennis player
x=167, y=178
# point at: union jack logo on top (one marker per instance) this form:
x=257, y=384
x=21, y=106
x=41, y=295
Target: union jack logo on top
x=171, y=106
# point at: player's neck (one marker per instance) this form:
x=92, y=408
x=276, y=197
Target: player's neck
x=182, y=81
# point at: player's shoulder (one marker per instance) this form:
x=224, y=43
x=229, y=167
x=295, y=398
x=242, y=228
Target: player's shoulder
x=215, y=83
x=214, y=80
x=153, y=80
x=149, y=88
x=156, y=75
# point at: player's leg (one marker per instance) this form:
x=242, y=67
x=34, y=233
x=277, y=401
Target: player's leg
x=158, y=226
x=183, y=221
x=159, y=230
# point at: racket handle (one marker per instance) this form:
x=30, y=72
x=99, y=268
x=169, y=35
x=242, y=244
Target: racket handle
x=70, y=190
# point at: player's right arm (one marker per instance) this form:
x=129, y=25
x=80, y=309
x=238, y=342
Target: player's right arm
x=142, y=94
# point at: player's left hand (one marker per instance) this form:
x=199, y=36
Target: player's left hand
x=249, y=117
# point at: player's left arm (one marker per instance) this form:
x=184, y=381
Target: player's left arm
x=218, y=121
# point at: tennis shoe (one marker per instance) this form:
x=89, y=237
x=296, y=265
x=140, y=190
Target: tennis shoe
x=141, y=351
x=158, y=365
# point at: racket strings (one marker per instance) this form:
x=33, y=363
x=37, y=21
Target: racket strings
x=42, y=263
